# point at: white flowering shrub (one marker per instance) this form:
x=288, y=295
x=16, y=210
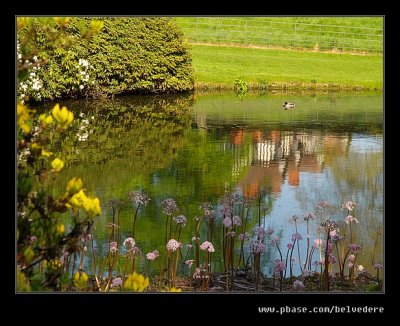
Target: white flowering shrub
x=32, y=84
x=117, y=59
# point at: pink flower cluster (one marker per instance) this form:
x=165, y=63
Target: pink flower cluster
x=189, y=262
x=322, y=205
x=116, y=282
x=228, y=221
x=173, y=245
x=257, y=247
x=207, y=246
x=260, y=231
x=243, y=236
x=152, y=255
x=354, y=247
x=129, y=243
x=208, y=210
x=349, y=205
x=274, y=241
x=296, y=236
x=139, y=198
x=200, y=273
x=298, y=285
x=113, y=247
x=169, y=206
x=280, y=266
x=350, y=219
x=180, y=220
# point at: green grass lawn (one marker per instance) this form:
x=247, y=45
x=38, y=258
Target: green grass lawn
x=222, y=65
x=348, y=34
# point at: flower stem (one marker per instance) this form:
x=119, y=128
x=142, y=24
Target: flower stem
x=134, y=221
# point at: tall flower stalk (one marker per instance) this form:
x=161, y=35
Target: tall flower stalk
x=330, y=228
x=208, y=247
x=257, y=248
x=173, y=248
x=208, y=216
x=168, y=207
x=138, y=199
x=307, y=218
x=349, y=206
x=243, y=236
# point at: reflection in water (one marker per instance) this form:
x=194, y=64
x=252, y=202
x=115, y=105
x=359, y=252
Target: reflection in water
x=282, y=159
x=276, y=156
x=195, y=151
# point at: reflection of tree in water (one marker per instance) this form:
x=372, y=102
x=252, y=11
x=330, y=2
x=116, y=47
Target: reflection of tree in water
x=130, y=136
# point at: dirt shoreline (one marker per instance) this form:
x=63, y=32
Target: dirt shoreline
x=285, y=86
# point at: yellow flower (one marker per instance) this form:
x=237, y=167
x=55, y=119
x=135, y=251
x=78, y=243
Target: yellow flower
x=38, y=150
x=77, y=200
x=60, y=228
x=45, y=120
x=136, y=282
x=46, y=153
x=57, y=164
x=96, y=26
x=80, y=279
x=174, y=289
x=64, y=117
x=92, y=206
x=24, y=118
x=74, y=185
x=52, y=264
x=62, y=21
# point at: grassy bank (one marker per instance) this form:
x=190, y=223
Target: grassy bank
x=219, y=66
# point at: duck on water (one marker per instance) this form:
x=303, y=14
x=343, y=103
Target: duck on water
x=289, y=105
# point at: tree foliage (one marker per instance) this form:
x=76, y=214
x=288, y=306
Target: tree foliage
x=117, y=55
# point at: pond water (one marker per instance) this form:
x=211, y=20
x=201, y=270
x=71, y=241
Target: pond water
x=194, y=148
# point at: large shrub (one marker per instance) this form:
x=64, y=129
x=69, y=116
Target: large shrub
x=132, y=54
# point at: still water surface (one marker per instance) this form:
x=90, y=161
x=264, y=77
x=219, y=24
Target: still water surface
x=194, y=148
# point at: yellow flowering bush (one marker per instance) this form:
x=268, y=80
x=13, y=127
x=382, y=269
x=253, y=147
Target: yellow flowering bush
x=90, y=204
x=44, y=243
x=57, y=164
x=136, y=283
x=63, y=116
x=24, y=118
x=60, y=228
x=73, y=186
x=80, y=280
x=46, y=230
x=45, y=120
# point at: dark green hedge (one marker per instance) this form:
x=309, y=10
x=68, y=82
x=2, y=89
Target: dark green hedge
x=135, y=54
